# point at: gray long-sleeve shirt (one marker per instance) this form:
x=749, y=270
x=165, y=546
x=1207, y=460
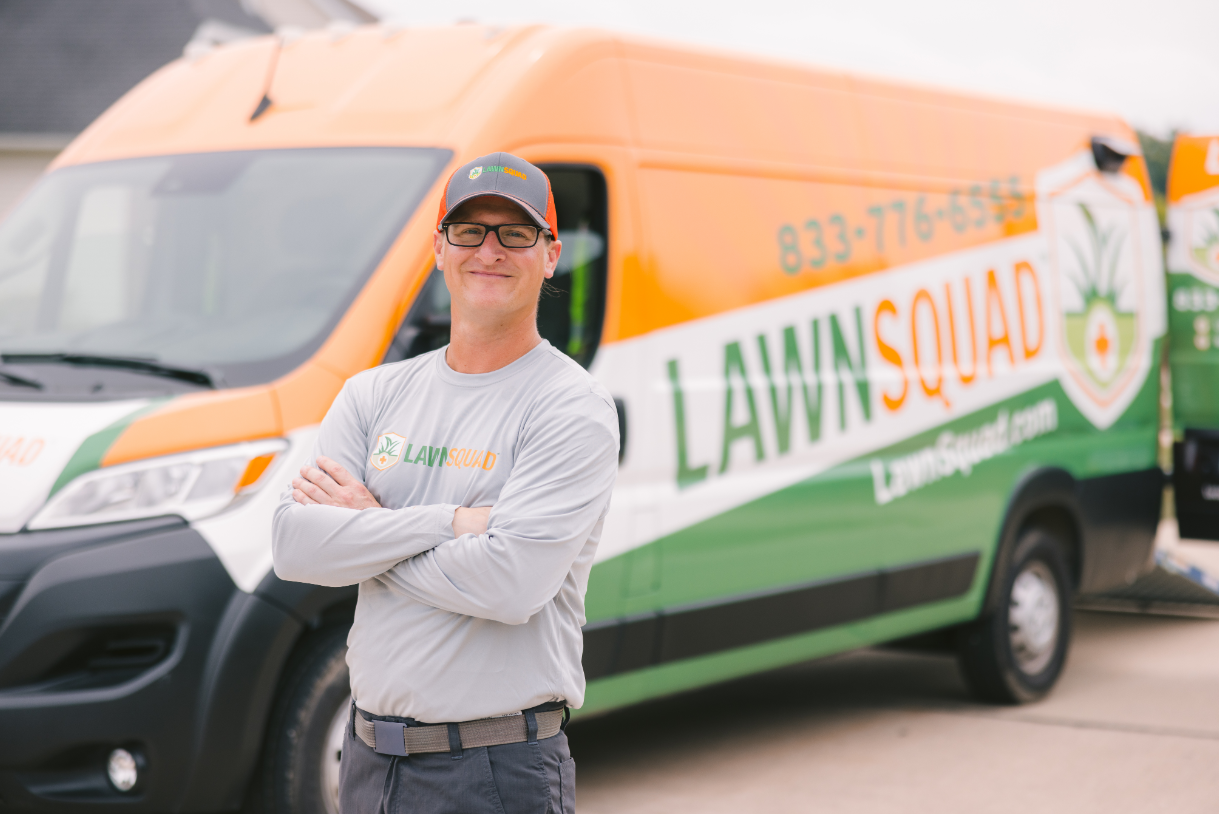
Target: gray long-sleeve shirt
x=456, y=629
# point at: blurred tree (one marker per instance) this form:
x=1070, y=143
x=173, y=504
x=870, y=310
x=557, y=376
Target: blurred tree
x=1156, y=152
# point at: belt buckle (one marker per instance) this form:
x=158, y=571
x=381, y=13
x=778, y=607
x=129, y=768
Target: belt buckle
x=389, y=738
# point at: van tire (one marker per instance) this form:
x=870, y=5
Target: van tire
x=315, y=689
x=1015, y=653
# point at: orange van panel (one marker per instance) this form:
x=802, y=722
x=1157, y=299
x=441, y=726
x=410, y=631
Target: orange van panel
x=372, y=86
x=1187, y=169
x=589, y=106
x=759, y=181
x=1136, y=168
x=705, y=257
x=198, y=421
x=304, y=395
x=707, y=105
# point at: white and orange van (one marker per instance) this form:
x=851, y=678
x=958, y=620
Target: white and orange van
x=883, y=355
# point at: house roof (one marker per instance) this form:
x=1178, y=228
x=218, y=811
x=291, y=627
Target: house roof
x=63, y=62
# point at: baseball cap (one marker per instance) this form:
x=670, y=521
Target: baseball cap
x=507, y=176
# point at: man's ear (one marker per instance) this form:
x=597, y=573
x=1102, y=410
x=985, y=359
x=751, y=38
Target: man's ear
x=438, y=247
x=553, y=250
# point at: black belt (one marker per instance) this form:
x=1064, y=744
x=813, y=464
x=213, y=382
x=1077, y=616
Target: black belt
x=393, y=738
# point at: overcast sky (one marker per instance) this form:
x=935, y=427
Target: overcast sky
x=1156, y=62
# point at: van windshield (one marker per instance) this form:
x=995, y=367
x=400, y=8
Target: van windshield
x=237, y=264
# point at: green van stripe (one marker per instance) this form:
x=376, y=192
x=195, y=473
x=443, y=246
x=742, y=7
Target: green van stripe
x=683, y=633
x=89, y=454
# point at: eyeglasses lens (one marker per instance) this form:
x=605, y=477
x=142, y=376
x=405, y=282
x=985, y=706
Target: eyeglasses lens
x=518, y=236
x=511, y=235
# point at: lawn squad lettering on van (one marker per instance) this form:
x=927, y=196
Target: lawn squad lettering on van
x=953, y=454
x=941, y=339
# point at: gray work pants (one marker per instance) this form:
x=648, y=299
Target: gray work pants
x=515, y=778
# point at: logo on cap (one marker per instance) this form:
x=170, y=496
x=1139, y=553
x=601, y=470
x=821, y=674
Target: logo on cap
x=474, y=173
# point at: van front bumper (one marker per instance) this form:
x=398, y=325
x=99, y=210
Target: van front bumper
x=128, y=635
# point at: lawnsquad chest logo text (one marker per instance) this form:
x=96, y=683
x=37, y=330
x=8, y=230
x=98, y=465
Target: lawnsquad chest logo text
x=392, y=449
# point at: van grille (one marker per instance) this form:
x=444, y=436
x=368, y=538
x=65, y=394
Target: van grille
x=89, y=658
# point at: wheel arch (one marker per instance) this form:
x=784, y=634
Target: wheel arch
x=257, y=640
x=1045, y=497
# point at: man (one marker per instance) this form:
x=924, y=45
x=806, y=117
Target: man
x=465, y=491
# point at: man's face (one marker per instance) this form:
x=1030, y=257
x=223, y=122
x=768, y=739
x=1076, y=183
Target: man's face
x=490, y=281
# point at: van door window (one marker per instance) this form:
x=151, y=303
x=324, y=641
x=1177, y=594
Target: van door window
x=572, y=305
x=426, y=326
x=571, y=308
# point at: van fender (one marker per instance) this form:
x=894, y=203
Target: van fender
x=254, y=641
x=1044, y=496
x=1107, y=524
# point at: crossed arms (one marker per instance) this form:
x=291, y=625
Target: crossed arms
x=502, y=563
x=329, y=484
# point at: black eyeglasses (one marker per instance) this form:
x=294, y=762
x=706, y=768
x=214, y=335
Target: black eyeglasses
x=510, y=235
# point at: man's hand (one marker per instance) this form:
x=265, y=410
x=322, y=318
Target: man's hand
x=470, y=521
x=332, y=485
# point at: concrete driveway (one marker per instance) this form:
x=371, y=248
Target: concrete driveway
x=1133, y=726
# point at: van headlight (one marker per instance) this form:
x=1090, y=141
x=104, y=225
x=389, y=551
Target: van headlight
x=191, y=485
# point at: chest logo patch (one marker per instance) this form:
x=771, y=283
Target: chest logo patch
x=388, y=451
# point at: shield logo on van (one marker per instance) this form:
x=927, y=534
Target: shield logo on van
x=1093, y=223
x=1100, y=328
x=388, y=451
x=474, y=173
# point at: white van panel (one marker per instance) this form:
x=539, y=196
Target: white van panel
x=241, y=536
x=36, y=442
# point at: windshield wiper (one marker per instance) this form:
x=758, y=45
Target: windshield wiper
x=20, y=381
x=140, y=364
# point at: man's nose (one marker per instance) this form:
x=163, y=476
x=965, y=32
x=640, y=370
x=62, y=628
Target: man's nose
x=491, y=249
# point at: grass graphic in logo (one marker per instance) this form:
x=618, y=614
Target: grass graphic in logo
x=1100, y=336
x=1207, y=252
x=389, y=447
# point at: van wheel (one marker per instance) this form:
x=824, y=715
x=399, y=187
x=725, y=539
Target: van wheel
x=300, y=767
x=1015, y=653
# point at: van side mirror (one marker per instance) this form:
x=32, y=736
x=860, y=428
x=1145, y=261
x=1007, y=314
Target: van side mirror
x=620, y=406
x=426, y=325
x=1110, y=154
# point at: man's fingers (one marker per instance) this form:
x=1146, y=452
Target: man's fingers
x=312, y=490
x=301, y=497
x=322, y=486
x=333, y=468
x=322, y=480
